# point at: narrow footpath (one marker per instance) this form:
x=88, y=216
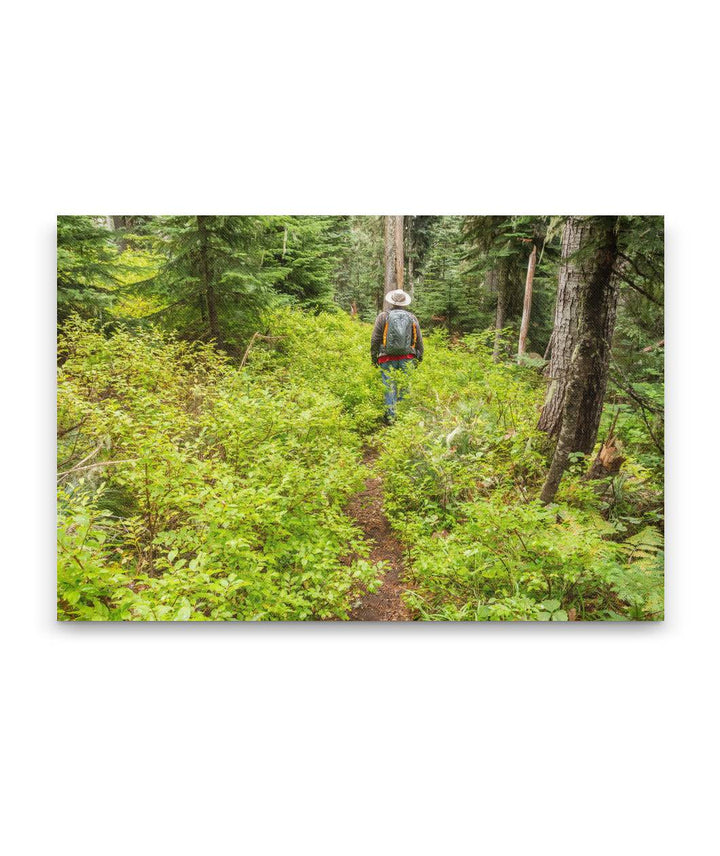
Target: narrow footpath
x=366, y=509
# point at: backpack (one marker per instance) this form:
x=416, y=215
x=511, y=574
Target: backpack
x=400, y=333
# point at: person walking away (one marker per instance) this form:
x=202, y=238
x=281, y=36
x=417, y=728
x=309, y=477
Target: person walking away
x=396, y=343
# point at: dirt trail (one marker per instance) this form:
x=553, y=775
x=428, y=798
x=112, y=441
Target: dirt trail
x=366, y=509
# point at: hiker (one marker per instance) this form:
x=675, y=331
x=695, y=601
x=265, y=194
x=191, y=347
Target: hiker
x=395, y=344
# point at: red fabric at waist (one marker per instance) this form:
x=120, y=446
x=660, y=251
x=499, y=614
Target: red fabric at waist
x=391, y=358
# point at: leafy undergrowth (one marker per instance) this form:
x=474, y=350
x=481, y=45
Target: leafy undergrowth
x=463, y=466
x=191, y=489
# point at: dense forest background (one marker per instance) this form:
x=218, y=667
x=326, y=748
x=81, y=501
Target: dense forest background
x=216, y=396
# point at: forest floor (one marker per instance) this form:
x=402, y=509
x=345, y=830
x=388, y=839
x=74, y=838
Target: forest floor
x=366, y=509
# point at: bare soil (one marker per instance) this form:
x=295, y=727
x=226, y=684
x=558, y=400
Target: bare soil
x=366, y=509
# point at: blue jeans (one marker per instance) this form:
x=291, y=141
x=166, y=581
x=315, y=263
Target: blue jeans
x=389, y=378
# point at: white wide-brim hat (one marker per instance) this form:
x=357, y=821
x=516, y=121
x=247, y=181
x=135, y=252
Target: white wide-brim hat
x=398, y=298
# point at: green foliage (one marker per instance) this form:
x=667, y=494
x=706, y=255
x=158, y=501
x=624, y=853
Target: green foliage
x=87, y=267
x=192, y=487
x=211, y=493
x=638, y=357
x=88, y=578
x=499, y=247
x=328, y=353
x=359, y=277
x=307, y=253
x=213, y=264
x=235, y=268
x=451, y=293
x=462, y=466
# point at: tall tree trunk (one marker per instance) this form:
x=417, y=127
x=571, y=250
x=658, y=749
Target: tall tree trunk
x=117, y=222
x=602, y=314
x=571, y=413
x=596, y=299
x=206, y=279
x=394, y=256
x=527, y=302
x=409, y=243
x=577, y=233
x=501, y=279
x=489, y=289
x=399, y=253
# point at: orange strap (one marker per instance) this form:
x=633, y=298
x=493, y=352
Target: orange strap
x=414, y=336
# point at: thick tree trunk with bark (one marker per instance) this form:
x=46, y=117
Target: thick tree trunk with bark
x=564, y=335
x=595, y=296
x=571, y=413
x=394, y=255
x=603, y=315
x=588, y=243
x=527, y=302
x=206, y=279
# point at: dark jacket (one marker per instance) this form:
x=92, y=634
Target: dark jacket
x=376, y=349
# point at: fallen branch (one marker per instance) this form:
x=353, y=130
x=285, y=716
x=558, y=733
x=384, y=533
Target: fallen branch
x=89, y=457
x=78, y=468
x=255, y=337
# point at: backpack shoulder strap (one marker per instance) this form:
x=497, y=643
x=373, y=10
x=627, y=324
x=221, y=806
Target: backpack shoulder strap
x=387, y=317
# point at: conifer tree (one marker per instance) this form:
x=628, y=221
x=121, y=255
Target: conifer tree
x=307, y=256
x=449, y=294
x=359, y=276
x=87, y=267
x=217, y=275
x=418, y=237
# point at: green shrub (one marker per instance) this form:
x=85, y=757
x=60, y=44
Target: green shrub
x=227, y=498
x=193, y=488
x=462, y=469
